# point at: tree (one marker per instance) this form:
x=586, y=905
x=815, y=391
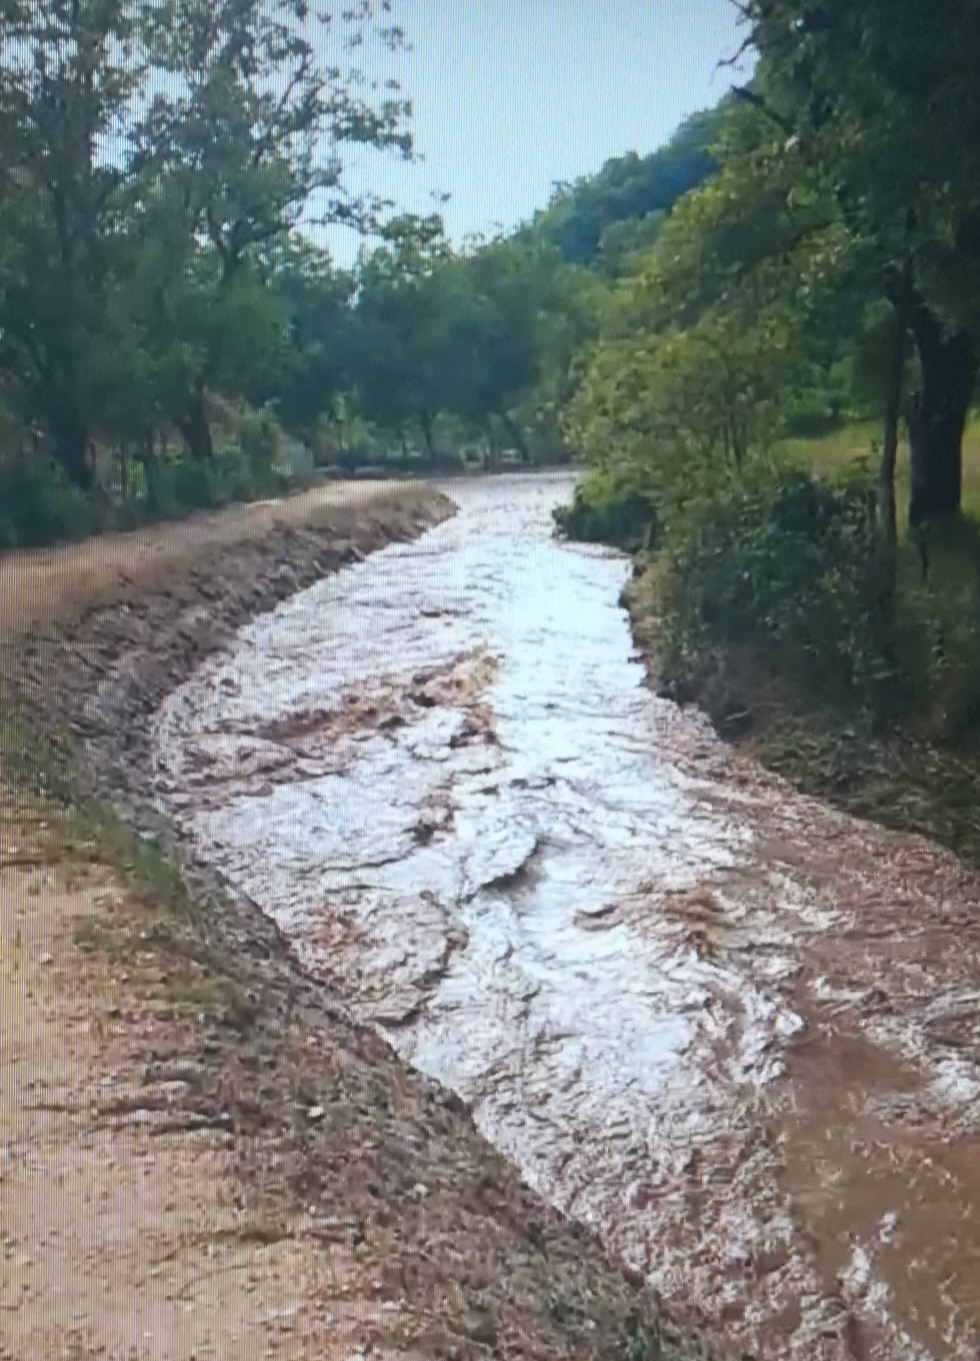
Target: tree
x=514, y=283
x=628, y=188
x=537, y=313
x=312, y=366
x=404, y=353
x=68, y=72
x=689, y=408
x=256, y=107
x=132, y=227
x=881, y=103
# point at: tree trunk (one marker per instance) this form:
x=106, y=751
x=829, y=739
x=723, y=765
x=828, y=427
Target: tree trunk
x=124, y=478
x=71, y=442
x=937, y=416
x=425, y=420
x=490, y=459
x=196, y=428
x=887, y=512
x=148, y=458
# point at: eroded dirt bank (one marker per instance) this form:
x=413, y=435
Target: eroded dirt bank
x=201, y=1154
x=95, y=638
x=729, y=1027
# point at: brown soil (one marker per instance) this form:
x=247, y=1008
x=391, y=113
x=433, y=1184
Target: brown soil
x=44, y=584
x=124, y=1229
x=92, y=647
x=200, y=1155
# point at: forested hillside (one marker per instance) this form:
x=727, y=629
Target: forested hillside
x=603, y=219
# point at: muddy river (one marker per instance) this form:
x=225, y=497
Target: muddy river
x=732, y=1028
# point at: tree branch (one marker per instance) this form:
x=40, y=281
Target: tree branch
x=748, y=96
x=297, y=78
x=726, y=63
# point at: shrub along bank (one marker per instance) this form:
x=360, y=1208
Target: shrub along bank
x=39, y=505
x=771, y=607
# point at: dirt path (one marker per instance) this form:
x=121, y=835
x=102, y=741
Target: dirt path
x=37, y=586
x=122, y=1233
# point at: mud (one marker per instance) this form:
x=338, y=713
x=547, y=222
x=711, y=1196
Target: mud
x=730, y=1028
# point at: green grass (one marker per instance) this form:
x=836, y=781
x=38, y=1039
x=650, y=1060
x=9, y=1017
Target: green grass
x=855, y=442
x=31, y=761
x=93, y=826
x=40, y=766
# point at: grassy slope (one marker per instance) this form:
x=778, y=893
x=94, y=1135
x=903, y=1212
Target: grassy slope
x=854, y=442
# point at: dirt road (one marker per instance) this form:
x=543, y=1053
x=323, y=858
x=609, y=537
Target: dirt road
x=123, y=1229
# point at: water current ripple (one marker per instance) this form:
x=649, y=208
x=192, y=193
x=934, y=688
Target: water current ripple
x=684, y=999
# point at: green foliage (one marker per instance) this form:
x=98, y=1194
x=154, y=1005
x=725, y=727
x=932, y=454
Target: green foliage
x=582, y=218
x=139, y=298
x=311, y=366
x=772, y=301
x=197, y=486
x=134, y=288
x=785, y=564
x=878, y=102
x=484, y=339
x=259, y=438
x=691, y=407
x=876, y=106
x=614, y=506
x=38, y=505
x=811, y=416
x=787, y=570
x=186, y=484
x=937, y=627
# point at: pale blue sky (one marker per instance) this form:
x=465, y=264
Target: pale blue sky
x=512, y=95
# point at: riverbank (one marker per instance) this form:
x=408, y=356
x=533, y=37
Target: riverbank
x=905, y=782
x=195, y=1135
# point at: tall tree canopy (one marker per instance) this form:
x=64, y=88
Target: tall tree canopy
x=150, y=150
x=876, y=104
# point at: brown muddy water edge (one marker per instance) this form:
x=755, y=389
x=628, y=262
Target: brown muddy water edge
x=385, y=1162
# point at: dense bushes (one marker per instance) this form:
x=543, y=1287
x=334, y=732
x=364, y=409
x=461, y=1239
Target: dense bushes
x=38, y=505
x=613, y=506
x=185, y=484
x=787, y=564
x=783, y=567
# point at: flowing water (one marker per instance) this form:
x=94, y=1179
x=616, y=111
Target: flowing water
x=736, y=1031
